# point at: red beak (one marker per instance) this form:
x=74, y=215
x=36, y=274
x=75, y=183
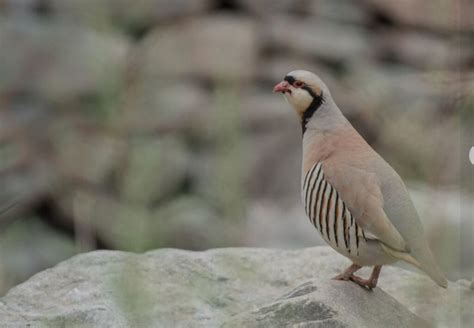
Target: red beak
x=283, y=87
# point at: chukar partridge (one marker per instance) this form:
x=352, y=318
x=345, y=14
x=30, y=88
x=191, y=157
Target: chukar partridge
x=355, y=199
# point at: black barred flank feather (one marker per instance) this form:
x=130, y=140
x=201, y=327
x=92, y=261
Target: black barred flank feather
x=322, y=204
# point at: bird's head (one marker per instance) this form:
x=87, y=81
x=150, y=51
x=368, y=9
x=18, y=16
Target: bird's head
x=304, y=91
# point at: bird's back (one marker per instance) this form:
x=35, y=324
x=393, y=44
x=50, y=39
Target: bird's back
x=402, y=213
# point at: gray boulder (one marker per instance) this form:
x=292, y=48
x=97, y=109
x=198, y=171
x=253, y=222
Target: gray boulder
x=142, y=13
x=235, y=287
x=432, y=15
x=200, y=48
x=331, y=42
x=42, y=56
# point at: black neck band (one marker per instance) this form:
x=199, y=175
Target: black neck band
x=312, y=108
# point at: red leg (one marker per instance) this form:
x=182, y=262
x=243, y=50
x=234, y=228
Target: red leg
x=368, y=283
x=348, y=273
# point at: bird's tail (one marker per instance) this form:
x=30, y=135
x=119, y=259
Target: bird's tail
x=425, y=263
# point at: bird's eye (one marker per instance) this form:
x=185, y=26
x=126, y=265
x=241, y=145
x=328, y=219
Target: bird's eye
x=298, y=84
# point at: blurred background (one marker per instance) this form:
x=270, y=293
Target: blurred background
x=135, y=125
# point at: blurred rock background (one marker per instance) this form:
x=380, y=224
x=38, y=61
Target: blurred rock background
x=135, y=125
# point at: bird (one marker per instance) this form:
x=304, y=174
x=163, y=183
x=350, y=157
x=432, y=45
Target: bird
x=351, y=195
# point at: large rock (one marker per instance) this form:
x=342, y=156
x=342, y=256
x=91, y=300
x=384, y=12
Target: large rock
x=139, y=14
x=423, y=50
x=319, y=38
x=328, y=305
x=268, y=7
x=215, y=47
x=346, y=11
x=58, y=60
x=436, y=15
x=226, y=287
x=163, y=106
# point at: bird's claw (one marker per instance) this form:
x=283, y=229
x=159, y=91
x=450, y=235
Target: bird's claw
x=364, y=283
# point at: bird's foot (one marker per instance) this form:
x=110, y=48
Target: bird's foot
x=364, y=283
x=369, y=284
x=346, y=275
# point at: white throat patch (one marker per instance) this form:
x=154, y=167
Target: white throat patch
x=300, y=99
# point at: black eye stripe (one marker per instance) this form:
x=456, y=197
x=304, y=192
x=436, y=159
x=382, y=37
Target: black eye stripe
x=290, y=79
x=294, y=82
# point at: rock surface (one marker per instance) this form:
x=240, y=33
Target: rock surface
x=178, y=51
x=433, y=15
x=47, y=54
x=236, y=287
x=296, y=35
x=143, y=13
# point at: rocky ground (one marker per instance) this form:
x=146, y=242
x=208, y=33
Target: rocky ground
x=231, y=287
x=134, y=125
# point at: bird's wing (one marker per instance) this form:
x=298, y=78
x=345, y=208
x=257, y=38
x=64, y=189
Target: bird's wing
x=361, y=192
